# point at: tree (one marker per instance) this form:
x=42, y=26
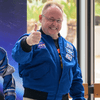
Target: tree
x=43, y=1
x=98, y=1
x=34, y=9
x=69, y=9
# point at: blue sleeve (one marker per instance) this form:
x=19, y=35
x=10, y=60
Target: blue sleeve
x=9, y=87
x=77, y=89
x=19, y=55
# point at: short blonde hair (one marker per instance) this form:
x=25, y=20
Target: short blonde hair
x=51, y=3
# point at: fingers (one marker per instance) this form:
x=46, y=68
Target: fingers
x=35, y=28
x=34, y=37
x=36, y=34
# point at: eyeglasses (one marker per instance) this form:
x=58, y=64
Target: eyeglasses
x=52, y=19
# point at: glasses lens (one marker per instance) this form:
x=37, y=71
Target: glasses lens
x=59, y=21
x=52, y=20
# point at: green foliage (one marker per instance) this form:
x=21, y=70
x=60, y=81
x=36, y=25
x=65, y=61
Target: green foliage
x=98, y=1
x=97, y=9
x=34, y=9
x=69, y=9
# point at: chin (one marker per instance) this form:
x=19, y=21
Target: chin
x=53, y=32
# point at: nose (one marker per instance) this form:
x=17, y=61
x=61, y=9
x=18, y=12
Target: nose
x=54, y=22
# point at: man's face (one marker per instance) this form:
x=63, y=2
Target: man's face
x=51, y=21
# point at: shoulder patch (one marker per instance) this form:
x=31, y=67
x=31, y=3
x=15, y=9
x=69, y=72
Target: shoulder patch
x=41, y=45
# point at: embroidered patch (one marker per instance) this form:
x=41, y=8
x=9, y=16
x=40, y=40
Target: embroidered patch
x=69, y=46
x=70, y=52
x=41, y=45
x=68, y=56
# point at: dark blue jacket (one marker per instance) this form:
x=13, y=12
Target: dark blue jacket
x=40, y=68
x=6, y=71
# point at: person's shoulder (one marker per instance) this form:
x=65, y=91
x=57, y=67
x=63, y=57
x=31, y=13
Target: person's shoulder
x=68, y=44
x=66, y=41
x=24, y=35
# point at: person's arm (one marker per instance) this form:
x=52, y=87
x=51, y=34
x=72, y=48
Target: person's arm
x=9, y=87
x=77, y=89
x=6, y=71
x=22, y=51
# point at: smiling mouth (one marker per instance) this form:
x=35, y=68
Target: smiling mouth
x=53, y=28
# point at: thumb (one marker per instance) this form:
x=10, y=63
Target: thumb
x=35, y=28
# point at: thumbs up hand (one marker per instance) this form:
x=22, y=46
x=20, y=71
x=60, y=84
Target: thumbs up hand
x=34, y=37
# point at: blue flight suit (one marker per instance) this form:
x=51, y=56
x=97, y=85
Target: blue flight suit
x=41, y=70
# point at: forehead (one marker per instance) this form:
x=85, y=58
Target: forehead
x=53, y=10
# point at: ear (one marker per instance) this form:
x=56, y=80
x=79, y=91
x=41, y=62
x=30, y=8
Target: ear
x=40, y=18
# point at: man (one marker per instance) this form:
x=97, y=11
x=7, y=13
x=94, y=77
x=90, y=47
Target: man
x=6, y=71
x=47, y=62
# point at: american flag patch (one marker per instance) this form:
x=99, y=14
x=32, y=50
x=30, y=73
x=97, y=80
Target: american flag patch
x=68, y=56
x=69, y=51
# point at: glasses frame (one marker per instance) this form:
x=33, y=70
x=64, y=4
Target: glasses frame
x=52, y=20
